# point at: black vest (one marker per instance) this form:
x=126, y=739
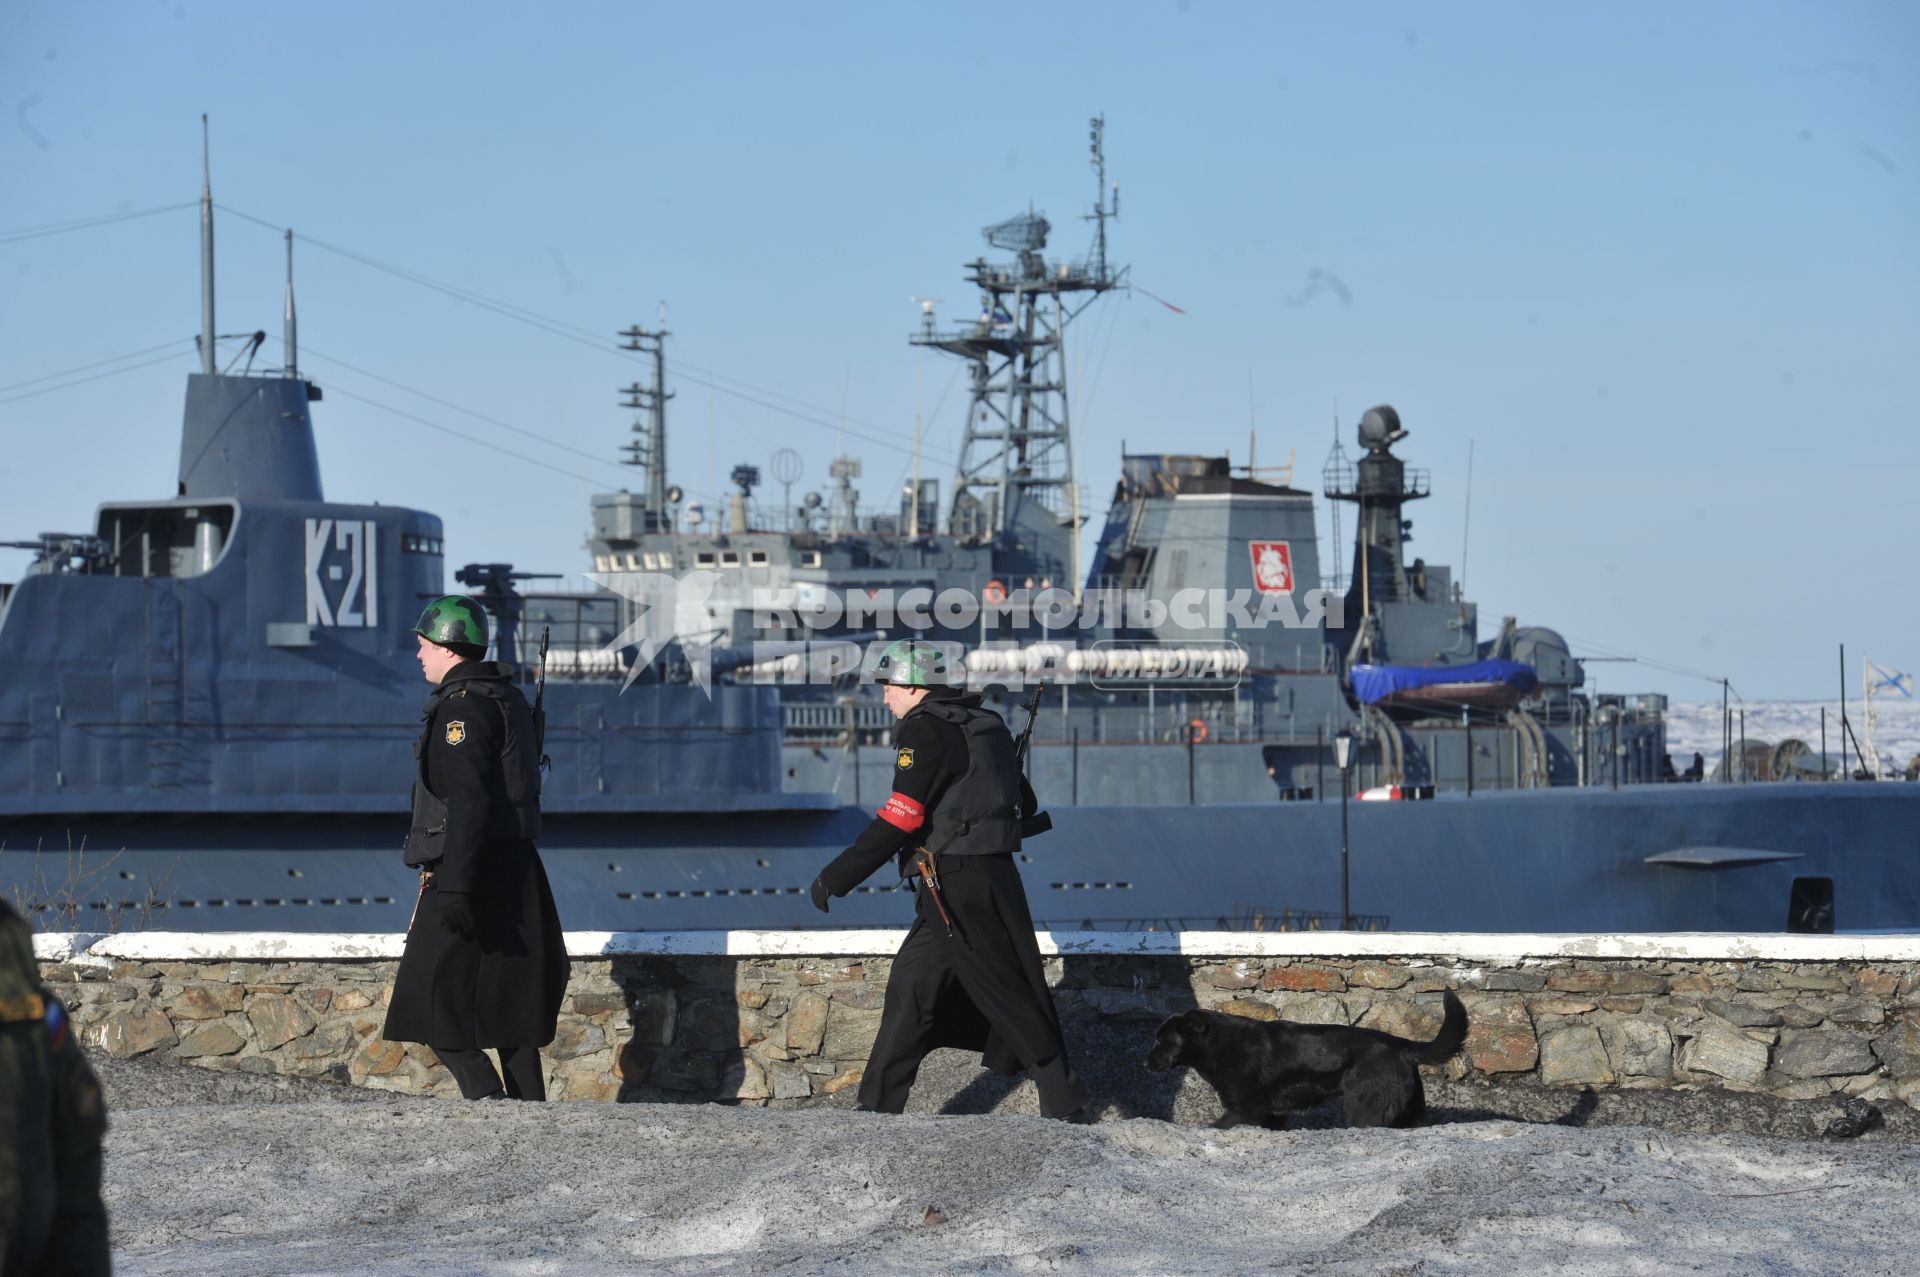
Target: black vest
x=979, y=815
x=514, y=810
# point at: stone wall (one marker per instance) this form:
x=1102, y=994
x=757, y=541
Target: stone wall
x=786, y=1019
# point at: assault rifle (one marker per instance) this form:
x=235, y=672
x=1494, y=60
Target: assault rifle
x=1037, y=822
x=540, y=707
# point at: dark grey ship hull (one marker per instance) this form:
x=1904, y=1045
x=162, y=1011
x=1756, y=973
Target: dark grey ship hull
x=1650, y=858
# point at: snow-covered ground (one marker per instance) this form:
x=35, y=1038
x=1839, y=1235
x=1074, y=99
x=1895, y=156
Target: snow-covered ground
x=283, y=1177
x=1695, y=726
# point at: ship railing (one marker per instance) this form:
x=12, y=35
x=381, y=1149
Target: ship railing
x=1186, y=721
x=764, y=519
x=1083, y=273
x=567, y=585
x=580, y=662
x=1341, y=480
x=813, y=723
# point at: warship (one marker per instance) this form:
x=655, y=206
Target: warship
x=230, y=749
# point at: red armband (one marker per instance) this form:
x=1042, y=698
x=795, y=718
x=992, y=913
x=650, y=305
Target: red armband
x=902, y=812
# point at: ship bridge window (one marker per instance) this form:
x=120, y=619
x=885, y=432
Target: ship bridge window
x=411, y=544
x=183, y=539
x=703, y=559
x=600, y=562
x=656, y=562
x=757, y=558
x=633, y=561
x=809, y=558
x=730, y=559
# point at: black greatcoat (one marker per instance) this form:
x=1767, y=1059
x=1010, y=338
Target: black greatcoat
x=504, y=986
x=980, y=986
x=983, y=988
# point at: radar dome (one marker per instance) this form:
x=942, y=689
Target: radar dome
x=1380, y=427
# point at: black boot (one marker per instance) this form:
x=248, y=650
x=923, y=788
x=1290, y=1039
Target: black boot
x=1061, y=1095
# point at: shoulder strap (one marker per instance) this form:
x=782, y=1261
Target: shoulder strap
x=21, y=1008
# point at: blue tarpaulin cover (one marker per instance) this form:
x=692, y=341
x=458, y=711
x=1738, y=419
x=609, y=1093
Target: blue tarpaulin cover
x=1374, y=683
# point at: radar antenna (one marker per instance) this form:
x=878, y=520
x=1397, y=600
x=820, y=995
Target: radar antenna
x=1018, y=448
x=926, y=313
x=786, y=466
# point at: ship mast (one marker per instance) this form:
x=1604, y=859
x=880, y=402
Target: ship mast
x=291, y=320
x=651, y=455
x=207, y=364
x=1018, y=445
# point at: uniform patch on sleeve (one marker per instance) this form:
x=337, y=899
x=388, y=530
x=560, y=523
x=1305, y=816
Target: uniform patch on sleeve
x=456, y=731
x=902, y=812
x=905, y=760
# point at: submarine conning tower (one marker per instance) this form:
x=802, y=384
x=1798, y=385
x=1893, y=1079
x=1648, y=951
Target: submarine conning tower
x=245, y=437
x=249, y=438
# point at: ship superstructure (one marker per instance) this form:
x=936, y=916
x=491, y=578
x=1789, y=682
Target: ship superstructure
x=1258, y=663
x=229, y=747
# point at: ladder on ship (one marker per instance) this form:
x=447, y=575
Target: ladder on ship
x=165, y=711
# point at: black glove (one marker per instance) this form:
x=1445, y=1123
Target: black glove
x=456, y=914
x=819, y=893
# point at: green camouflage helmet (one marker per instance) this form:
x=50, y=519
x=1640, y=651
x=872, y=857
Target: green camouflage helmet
x=912, y=663
x=454, y=618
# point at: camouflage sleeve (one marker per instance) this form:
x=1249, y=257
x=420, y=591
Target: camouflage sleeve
x=462, y=749
x=78, y=1245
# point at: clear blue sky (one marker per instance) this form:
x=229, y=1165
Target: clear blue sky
x=1659, y=265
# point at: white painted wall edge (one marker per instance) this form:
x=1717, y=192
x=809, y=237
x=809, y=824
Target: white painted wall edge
x=284, y=946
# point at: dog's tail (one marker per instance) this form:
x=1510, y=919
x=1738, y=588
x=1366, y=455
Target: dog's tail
x=1453, y=1032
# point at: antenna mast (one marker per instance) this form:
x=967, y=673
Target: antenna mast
x=1338, y=468
x=1018, y=447
x=652, y=453
x=207, y=365
x=292, y=341
x=1466, y=520
x=1102, y=208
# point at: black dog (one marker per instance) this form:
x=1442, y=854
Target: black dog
x=1265, y=1070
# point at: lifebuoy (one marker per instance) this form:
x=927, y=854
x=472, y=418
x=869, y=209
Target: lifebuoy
x=996, y=592
x=1197, y=732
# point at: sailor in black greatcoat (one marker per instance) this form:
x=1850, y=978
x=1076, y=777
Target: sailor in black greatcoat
x=485, y=963
x=969, y=975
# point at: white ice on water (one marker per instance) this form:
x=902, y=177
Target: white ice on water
x=1695, y=726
